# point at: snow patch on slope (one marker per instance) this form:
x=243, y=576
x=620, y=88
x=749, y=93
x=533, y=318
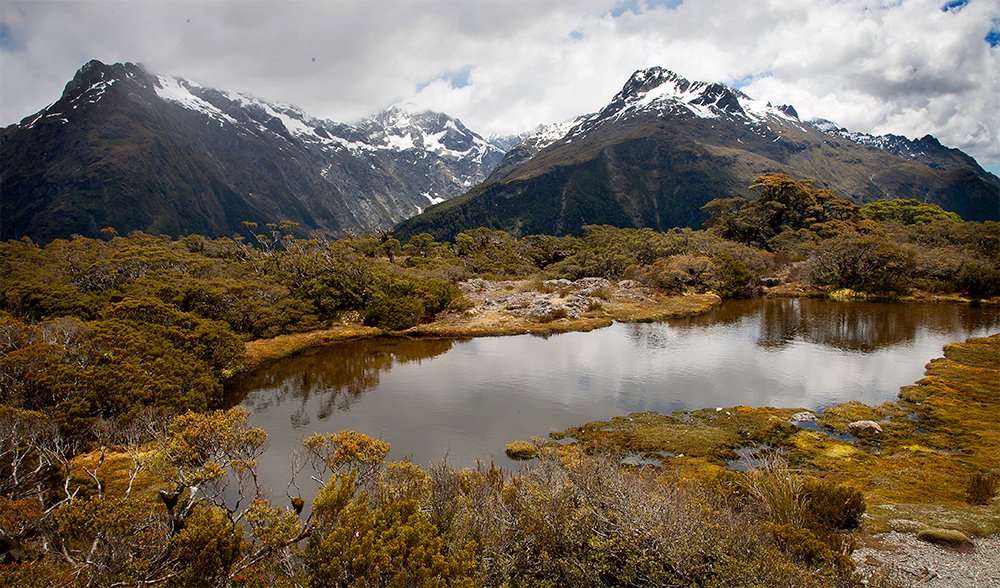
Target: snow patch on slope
x=175, y=90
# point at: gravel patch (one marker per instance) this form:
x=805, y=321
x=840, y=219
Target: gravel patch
x=911, y=562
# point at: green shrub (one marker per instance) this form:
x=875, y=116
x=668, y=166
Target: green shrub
x=867, y=264
x=833, y=506
x=678, y=273
x=978, y=281
x=35, y=301
x=207, y=548
x=359, y=542
x=394, y=313
x=733, y=278
x=809, y=548
x=908, y=212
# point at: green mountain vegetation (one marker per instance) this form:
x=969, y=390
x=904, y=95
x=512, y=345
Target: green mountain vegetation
x=119, y=464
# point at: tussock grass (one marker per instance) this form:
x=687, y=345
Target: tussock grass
x=982, y=488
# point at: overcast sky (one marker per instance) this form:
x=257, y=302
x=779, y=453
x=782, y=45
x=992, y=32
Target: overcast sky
x=909, y=67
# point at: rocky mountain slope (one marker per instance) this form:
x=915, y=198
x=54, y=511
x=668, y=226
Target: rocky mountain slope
x=664, y=146
x=128, y=149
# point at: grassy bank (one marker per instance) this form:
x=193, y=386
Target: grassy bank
x=262, y=351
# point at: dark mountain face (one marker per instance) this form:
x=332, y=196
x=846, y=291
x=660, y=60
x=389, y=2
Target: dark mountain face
x=132, y=150
x=664, y=146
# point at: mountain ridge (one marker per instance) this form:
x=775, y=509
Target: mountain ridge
x=133, y=150
x=664, y=146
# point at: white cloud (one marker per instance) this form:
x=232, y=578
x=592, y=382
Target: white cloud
x=906, y=67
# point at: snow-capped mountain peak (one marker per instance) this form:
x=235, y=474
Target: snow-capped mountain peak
x=659, y=88
x=402, y=127
x=665, y=93
x=253, y=158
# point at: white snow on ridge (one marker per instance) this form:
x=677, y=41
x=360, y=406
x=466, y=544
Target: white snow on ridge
x=352, y=146
x=173, y=90
x=101, y=87
x=759, y=109
x=398, y=143
x=433, y=199
x=295, y=126
x=666, y=94
x=899, y=145
x=552, y=133
x=669, y=90
x=432, y=143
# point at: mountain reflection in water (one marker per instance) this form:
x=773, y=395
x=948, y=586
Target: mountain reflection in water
x=465, y=400
x=850, y=326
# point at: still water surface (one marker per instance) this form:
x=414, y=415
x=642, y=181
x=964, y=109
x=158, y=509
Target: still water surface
x=466, y=399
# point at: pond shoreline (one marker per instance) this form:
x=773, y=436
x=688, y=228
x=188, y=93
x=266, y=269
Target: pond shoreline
x=512, y=307
x=625, y=302
x=914, y=470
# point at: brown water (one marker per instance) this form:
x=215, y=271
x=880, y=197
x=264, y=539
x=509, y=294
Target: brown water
x=466, y=399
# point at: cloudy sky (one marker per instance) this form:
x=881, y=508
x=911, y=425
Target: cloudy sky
x=909, y=67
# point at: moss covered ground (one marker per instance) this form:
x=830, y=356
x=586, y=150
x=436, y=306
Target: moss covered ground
x=264, y=350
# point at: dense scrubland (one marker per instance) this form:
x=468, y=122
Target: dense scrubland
x=118, y=466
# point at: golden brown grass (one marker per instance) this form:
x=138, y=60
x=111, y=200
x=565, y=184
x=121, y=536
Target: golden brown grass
x=264, y=350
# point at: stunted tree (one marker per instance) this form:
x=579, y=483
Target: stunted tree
x=781, y=203
x=869, y=264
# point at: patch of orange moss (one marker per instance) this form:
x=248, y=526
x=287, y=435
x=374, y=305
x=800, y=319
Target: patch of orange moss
x=113, y=468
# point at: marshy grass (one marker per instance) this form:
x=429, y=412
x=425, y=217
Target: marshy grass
x=942, y=428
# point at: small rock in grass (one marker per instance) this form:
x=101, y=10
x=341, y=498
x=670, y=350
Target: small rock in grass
x=865, y=428
x=804, y=417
